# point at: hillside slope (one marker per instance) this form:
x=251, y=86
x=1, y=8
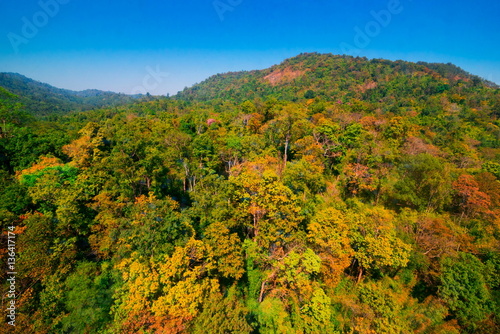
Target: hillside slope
x=42, y=99
x=332, y=77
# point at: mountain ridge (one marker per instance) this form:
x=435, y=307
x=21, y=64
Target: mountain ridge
x=324, y=77
x=313, y=71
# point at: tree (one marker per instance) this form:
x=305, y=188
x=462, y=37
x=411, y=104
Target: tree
x=226, y=251
x=374, y=240
x=328, y=233
x=472, y=201
x=425, y=183
x=88, y=147
x=88, y=298
x=463, y=287
x=184, y=284
x=221, y=315
x=148, y=227
x=358, y=179
x=271, y=206
x=285, y=128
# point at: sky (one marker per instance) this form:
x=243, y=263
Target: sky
x=160, y=47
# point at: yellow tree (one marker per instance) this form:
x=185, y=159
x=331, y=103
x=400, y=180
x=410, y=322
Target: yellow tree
x=184, y=284
x=85, y=149
x=164, y=295
x=374, y=240
x=266, y=207
x=328, y=232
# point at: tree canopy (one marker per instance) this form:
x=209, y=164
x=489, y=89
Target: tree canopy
x=327, y=194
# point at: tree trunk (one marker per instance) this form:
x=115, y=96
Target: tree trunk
x=360, y=274
x=286, y=153
x=261, y=294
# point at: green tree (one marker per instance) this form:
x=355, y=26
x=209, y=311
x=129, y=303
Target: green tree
x=425, y=182
x=463, y=288
x=222, y=315
x=88, y=298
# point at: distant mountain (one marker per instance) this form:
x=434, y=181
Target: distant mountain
x=333, y=77
x=42, y=99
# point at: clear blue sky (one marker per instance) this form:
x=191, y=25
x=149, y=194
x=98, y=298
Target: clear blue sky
x=115, y=45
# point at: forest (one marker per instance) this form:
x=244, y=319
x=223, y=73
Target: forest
x=326, y=194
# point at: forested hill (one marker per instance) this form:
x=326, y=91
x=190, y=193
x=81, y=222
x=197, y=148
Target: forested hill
x=41, y=99
x=326, y=195
x=332, y=77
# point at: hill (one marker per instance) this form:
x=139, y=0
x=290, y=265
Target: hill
x=42, y=99
x=332, y=77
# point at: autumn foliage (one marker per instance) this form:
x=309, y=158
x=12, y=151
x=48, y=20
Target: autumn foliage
x=328, y=194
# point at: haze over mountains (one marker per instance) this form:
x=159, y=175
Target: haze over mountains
x=43, y=99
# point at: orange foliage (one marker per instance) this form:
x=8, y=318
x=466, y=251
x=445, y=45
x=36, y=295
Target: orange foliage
x=473, y=202
x=43, y=163
x=255, y=122
x=79, y=151
x=437, y=237
x=358, y=178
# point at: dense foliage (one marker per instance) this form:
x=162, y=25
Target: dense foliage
x=340, y=195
